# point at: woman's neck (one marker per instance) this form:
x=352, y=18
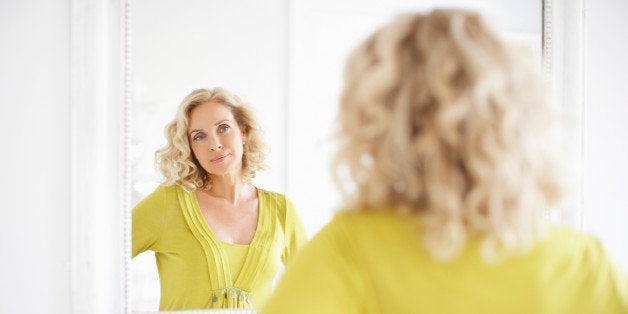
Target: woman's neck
x=229, y=188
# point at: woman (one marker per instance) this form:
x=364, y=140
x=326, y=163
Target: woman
x=444, y=133
x=218, y=240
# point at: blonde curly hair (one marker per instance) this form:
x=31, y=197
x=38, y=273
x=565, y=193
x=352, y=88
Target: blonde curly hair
x=176, y=159
x=440, y=117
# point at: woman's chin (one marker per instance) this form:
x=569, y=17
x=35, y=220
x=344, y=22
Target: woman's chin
x=224, y=172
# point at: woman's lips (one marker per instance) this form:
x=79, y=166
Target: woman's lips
x=219, y=158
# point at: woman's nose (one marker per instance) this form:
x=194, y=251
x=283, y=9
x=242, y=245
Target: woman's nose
x=214, y=143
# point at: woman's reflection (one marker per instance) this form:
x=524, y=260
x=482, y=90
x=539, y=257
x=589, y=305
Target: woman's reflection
x=218, y=240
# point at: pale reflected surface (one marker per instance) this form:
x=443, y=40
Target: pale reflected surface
x=283, y=57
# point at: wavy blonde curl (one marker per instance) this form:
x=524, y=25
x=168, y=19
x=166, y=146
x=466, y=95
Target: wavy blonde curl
x=176, y=160
x=440, y=117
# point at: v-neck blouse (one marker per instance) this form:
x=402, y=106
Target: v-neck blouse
x=196, y=269
x=236, y=256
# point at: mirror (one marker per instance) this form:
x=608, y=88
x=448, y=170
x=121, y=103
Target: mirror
x=285, y=58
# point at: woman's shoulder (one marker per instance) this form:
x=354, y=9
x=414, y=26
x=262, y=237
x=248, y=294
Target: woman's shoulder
x=382, y=226
x=564, y=240
x=162, y=197
x=381, y=218
x=165, y=192
x=570, y=256
x=277, y=204
x=273, y=200
x=270, y=194
x=563, y=248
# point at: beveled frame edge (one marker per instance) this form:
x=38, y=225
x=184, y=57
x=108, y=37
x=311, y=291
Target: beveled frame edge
x=563, y=39
x=127, y=163
x=546, y=36
x=99, y=167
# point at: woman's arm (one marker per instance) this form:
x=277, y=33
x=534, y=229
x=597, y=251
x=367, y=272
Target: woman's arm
x=146, y=221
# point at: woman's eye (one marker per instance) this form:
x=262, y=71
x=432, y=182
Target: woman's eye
x=223, y=128
x=198, y=137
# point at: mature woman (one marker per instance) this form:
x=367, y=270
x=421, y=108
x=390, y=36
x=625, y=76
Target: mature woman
x=444, y=135
x=218, y=239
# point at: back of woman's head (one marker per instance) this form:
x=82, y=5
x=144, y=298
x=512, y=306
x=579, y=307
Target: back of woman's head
x=440, y=117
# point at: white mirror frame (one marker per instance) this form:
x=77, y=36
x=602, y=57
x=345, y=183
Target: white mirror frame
x=100, y=210
x=563, y=65
x=100, y=217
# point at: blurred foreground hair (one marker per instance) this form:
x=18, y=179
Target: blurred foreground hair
x=440, y=117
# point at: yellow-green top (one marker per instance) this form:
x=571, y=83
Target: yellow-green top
x=196, y=269
x=374, y=263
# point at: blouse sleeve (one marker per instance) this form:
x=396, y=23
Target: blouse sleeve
x=295, y=236
x=145, y=226
x=324, y=277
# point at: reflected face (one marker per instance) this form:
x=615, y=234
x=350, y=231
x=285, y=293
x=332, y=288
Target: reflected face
x=216, y=139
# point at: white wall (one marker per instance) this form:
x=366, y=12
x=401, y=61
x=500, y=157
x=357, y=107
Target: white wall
x=606, y=125
x=34, y=132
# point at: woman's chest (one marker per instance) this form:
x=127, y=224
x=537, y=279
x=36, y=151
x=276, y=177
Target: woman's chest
x=229, y=223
